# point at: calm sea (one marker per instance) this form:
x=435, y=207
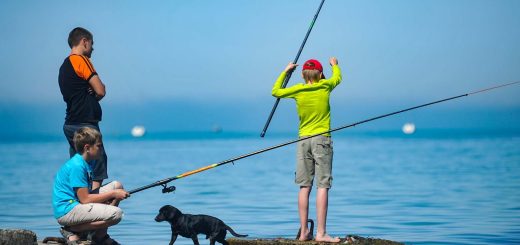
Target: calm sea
x=433, y=187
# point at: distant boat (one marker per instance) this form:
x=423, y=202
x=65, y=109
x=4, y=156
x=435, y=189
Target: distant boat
x=409, y=128
x=216, y=129
x=138, y=131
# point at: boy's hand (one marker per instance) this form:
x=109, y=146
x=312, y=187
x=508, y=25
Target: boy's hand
x=290, y=67
x=333, y=61
x=121, y=194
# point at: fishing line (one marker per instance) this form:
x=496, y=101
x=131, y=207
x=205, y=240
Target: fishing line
x=166, y=188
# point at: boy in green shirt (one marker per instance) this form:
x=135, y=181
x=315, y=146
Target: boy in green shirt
x=314, y=155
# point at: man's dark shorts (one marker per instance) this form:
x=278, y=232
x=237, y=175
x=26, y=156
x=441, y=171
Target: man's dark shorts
x=100, y=167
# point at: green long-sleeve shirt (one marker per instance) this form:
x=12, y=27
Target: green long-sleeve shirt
x=312, y=101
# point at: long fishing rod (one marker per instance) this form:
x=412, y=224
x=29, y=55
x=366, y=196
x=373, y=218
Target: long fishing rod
x=288, y=76
x=166, y=188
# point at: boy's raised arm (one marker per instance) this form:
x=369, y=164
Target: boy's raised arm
x=277, y=90
x=335, y=79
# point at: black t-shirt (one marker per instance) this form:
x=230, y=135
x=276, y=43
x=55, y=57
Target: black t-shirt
x=82, y=106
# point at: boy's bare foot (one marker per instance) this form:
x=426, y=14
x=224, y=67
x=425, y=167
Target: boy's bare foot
x=307, y=232
x=326, y=238
x=305, y=236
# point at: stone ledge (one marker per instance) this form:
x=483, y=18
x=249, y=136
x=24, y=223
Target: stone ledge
x=27, y=237
x=283, y=241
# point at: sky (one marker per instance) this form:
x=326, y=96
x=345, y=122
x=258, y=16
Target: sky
x=191, y=65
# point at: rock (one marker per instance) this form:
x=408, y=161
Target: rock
x=283, y=241
x=17, y=237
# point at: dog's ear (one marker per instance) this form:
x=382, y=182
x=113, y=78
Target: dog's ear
x=172, y=213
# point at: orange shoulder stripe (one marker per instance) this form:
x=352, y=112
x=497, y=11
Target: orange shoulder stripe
x=87, y=60
x=82, y=66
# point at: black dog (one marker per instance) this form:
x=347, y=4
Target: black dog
x=190, y=226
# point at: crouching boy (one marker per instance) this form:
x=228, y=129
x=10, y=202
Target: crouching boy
x=76, y=207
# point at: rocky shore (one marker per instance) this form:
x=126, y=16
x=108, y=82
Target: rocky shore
x=357, y=240
x=27, y=237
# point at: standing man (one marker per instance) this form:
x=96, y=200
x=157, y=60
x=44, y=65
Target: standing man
x=82, y=89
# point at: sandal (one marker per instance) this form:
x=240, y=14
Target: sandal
x=311, y=231
x=348, y=239
x=66, y=233
x=104, y=239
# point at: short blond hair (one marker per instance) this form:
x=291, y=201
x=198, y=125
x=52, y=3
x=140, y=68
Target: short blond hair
x=84, y=136
x=311, y=75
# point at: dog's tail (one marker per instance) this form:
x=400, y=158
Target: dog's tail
x=233, y=232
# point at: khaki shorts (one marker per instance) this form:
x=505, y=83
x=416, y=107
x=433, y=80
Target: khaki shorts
x=314, y=159
x=90, y=212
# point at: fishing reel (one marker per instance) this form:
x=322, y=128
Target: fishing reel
x=168, y=189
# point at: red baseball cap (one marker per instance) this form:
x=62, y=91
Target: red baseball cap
x=312, y=65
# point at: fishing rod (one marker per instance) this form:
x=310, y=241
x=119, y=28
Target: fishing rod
x=166, y=188
x=289, y=73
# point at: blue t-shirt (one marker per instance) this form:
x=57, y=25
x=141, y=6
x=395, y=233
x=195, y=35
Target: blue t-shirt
x=75, y=173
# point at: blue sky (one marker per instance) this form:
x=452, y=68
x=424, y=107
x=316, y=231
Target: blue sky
x=188, y=65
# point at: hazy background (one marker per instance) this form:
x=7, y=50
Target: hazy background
x=177, y=66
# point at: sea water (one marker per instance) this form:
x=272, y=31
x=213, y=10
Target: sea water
x=436, y=187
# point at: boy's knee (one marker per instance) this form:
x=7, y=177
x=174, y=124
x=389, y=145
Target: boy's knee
x=117, y=185
x=117, y=215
